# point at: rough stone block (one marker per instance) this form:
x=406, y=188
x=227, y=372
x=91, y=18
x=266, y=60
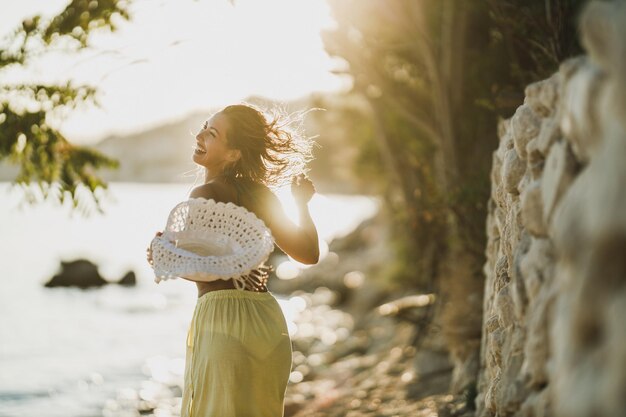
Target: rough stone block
x=537, y=346
x=517, y=285
x=504, y=307
x=506, y=143
x=524, y=127
x=558, y=174
x=535, y=160
x=490, y=396
x=542, y=95
x=580, y=119
x=512, y=391
x=513, y=169
x=492, y=324
x=526, y=179
x=570, y=66
x=537, y=405
x=495, y=342
x=550, y=133
x=537, y=266
x=532, y=210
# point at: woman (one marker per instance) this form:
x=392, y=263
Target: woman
x=238, y=349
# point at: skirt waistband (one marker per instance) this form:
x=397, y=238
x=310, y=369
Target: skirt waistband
x=235, y=293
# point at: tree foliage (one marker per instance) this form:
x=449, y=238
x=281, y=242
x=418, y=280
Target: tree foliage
x=45, y=156
x=437, y=75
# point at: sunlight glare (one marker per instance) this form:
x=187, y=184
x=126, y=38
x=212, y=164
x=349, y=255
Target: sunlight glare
x=298, y=303
x=354, y=279
x=176, y=57
x=287, y=270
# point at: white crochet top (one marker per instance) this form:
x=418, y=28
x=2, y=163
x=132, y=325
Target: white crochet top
x=205, y=240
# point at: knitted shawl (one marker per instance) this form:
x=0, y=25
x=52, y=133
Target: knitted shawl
x=206, y=240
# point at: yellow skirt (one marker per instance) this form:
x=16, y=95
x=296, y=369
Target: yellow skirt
x=238, y=356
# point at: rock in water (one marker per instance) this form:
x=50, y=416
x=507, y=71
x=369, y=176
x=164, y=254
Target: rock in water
x=79, y=273
x=128, y=280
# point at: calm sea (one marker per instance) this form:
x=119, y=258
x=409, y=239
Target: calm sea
x=65, y=351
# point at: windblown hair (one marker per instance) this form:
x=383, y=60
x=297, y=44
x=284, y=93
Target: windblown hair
x=273, y=147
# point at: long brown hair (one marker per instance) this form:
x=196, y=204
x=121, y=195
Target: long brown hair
x=273, y=146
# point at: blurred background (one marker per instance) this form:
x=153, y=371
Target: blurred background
x=448, y=135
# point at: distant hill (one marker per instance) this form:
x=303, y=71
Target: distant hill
x=164, y=153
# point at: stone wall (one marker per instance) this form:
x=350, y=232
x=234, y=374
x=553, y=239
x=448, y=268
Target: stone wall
x=554, y=324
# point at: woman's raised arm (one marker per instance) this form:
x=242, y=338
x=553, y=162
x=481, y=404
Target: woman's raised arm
x=298, y=241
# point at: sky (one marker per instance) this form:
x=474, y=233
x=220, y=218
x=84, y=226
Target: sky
x=180, y=56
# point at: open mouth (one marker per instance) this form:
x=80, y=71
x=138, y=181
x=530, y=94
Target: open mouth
x=199, y=150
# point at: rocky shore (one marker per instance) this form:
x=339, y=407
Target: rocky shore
x=369, y=371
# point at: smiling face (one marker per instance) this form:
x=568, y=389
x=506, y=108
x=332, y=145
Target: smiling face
x=212, y=149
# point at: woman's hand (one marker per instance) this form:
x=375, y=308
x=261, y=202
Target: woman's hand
x=149, y=250
x=302, y=188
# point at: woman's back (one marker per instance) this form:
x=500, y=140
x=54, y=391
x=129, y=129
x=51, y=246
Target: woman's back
x=240, y=191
